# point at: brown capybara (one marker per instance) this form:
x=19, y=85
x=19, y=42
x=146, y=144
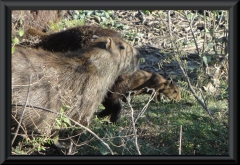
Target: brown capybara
x=71, y=39
x=43, y=81
x=139, y=81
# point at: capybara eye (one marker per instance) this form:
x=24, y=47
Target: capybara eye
x=175, y=91
x=121, y=47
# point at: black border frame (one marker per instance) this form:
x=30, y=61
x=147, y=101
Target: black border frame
x=5, y=77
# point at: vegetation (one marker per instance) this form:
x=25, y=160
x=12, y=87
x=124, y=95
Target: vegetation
x=196, y=125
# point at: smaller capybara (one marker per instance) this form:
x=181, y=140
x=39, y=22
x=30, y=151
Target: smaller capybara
x=71, y=39
x=139, y=81
x=44, y=81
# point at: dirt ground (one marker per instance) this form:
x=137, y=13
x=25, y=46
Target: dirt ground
x=149, y=32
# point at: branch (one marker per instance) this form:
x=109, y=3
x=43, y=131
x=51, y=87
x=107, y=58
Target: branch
x=145, y=107
x=24, y=108
x=95, y=135
x=141, y=113
x=190, y=25
x=143, y=17
x=180, y=141
x=183, y=71
x=133, y=124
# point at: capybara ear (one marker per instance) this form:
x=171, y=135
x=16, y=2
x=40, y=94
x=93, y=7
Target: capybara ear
x=94, y=37
x=109, y=43
x=169, y=81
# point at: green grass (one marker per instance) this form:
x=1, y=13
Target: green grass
x=158, y=130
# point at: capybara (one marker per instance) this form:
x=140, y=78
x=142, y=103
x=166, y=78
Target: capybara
x=79, y=79
x=71, y=39
x=139, y=82
x=79, y=38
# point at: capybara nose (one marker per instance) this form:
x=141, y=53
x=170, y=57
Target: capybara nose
x=178, y=96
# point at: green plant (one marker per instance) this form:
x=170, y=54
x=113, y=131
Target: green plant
x=62, y=121
x=15, y=40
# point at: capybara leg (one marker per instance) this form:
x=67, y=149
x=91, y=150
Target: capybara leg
x=157, y=97
x=116, y=112
x=107, y=111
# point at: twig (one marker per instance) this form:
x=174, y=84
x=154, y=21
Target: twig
x=204, y=99
x=20, y=126
x=142, y=112
x=180, y=141
x=95, y=135
x=70, y=148
x=28, y=105
x=193, y=91
x=205, y=27
x=190, y=25
x=184, y=73
x=169, y=25
x=133, y=124
x=24, y=108
x=145, y=107
x=143, y=17
x=82, y=143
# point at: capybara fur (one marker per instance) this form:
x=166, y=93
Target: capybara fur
x=139, y=81
x=79, y=79
x=71, y=39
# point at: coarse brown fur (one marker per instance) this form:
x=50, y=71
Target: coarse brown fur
x=139, y=82
x=79, y=79
x=71, y=39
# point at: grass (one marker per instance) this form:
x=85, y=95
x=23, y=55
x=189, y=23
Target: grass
x=158, y=130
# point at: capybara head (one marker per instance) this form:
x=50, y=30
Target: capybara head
x=43, y=81
x=171, y=90
x=119, y=50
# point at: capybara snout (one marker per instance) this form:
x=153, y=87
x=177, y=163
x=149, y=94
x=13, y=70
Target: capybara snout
x=171, y=90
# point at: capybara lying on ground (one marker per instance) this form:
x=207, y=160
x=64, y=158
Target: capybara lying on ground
x=139, y=82
x=43, y=81
x=71, y=39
